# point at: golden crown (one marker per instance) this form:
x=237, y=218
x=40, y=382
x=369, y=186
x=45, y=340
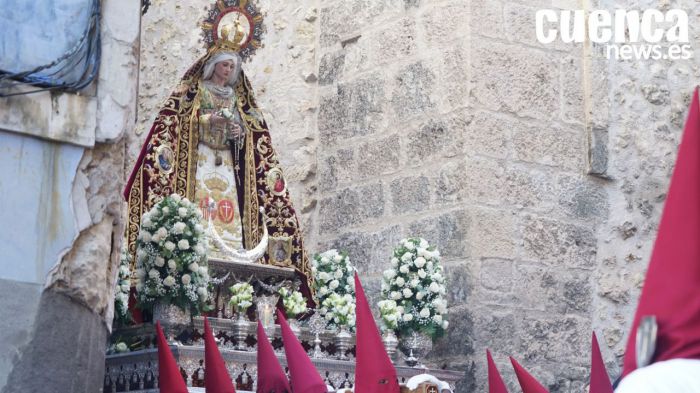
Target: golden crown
x=228, y=41
x=233, y=25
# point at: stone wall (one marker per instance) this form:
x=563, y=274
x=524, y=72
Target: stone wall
x=538, y=170
x=648, y=103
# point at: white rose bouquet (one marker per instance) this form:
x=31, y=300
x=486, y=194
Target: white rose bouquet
x=416, y=282
x=389, y=314
x=171, y=256
x=241, y=297
x=340, y=310
x=333, y=274
x=123, y=287
x=293, y=301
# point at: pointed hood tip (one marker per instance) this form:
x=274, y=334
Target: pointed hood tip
x=216, y=376
x=495, y=381
x=527, y=382
x=271, y=376
x=169, y=377
x=303, y=374
x=599, y=380
x=373, y=365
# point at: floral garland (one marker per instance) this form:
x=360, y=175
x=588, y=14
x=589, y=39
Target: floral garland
x=416, y=282
x=293, y=302
x=241, y=297
x=334, y=275
x=123, y=287
x=171, y=257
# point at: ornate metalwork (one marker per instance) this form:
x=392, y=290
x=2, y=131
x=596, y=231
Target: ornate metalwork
x=142, y=366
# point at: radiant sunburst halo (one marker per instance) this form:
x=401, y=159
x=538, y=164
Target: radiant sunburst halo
x=239, y=14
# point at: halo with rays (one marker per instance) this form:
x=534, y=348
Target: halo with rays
x=225, y=12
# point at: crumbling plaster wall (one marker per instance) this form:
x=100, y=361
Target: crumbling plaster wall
x=62, y=173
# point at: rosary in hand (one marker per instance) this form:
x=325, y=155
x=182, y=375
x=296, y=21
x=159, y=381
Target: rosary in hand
x=236, y=137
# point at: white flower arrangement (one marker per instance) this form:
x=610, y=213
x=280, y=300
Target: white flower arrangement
x=340, y=310
x=118, y=347
x=171, y=256
x=123, y=287
x=293, y=301
x=241, y=297
x=333, y=274
x=415, y=283
x=389, y=314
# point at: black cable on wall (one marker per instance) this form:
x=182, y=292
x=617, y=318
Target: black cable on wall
x=70, y=72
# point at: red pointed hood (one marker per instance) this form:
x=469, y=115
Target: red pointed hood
x=527, y=382
x=271, y=376
x=672, y=287
x=169, y=378
x=302, y=372
x=216, y=377
x=600, y=381
x=374, y=371
x=496, y=384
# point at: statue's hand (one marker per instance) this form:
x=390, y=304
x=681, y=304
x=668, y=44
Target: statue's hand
x=236, y=130
x=217, y=121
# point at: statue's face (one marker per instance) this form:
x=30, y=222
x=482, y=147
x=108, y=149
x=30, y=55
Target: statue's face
x=223, y=69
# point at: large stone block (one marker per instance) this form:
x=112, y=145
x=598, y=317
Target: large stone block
x=446, y=232
x=66, y=352
x=57, y=116
x=357, y=56
x=555, y=338
x=410, y=194
x=487, y=18
x=369, y=252
x=459, y=338
x=343, y=18
x=520, y=27
x=497, y=274
x=450, y=184
x=441, y=137
x=20, y=301
x=515, y=79
x=349, y=207
x=461, y=281
x=351, y=109
x=529, y=188
x=444, y=22
x=337, y=21
x=495, y=329
x=378, y=157
x=559, y=243
x=452, y=68
x=413, y=93
x=488, y=134
x=550, y=145
x=484, y=181
x=573, y=108
x=336, y=169
x=394, y=41
x=554, y=290
x=492, y=233
x=582, y=197
x=330, y=70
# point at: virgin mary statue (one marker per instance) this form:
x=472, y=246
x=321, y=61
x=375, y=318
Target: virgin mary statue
x=209, y=143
